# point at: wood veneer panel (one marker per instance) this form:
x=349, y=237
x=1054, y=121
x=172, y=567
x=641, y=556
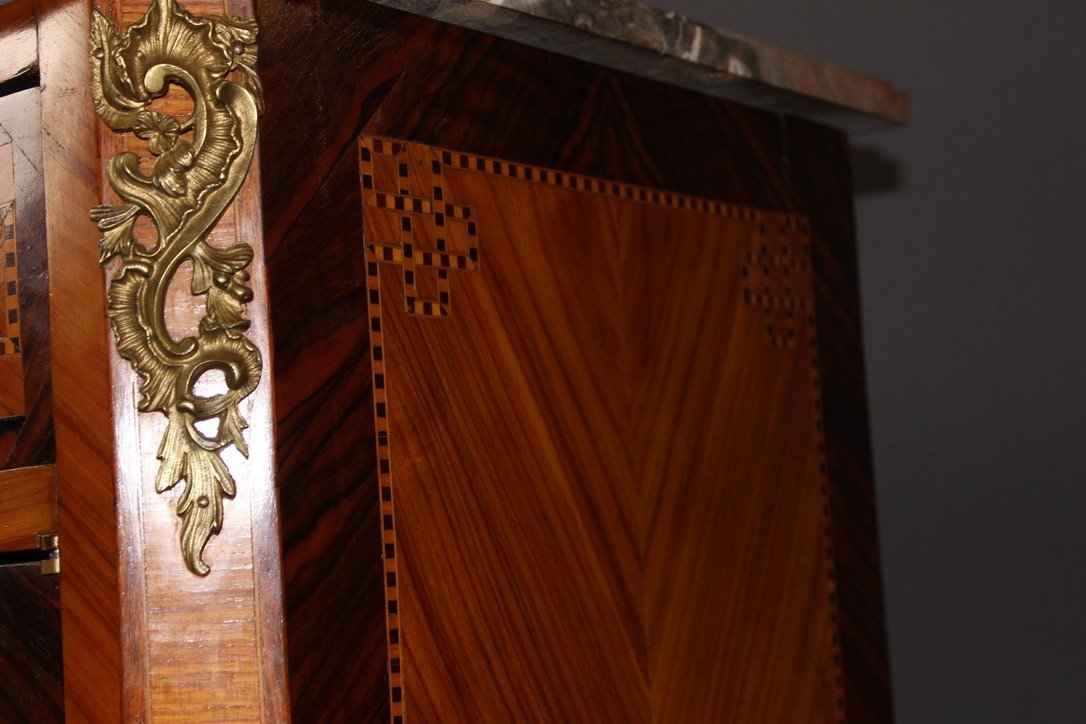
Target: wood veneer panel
x=604, y=462
x=738, y=579
x=28, y=506
x=31, y=687
x=414, y=79
x=331, y=530
x=513, y=587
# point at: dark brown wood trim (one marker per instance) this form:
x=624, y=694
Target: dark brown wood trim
x=634, y=37
x=821, y=181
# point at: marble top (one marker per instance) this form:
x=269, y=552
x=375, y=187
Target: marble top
x=631, y=36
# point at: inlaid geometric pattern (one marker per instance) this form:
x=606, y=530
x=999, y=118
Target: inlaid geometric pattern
x=9, y=282
x=424, y=217
x=9, y=260
x=609, y=462
x=770, y=272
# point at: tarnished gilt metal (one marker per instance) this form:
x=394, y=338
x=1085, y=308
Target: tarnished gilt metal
x=200, y=165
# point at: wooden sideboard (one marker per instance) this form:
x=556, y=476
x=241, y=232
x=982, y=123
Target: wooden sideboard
x=481, y=361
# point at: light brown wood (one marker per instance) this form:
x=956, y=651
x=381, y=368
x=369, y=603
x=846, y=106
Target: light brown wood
x=19, y=39
x=406, y=77
x=11, y=386
x=90, y=593
x=199, y=649
x=599, y=448
x=143, y=637
x=28, y=506
x=739, y=589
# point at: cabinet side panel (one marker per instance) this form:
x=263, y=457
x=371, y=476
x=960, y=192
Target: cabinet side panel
x=338, y=67
x=822, y=190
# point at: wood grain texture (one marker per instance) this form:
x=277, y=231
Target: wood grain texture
x=413, y=79
x=451, y=87
x=199, y=649
x=325, y=432
x=28, y=506
x=638, y=38
x=19, y=39
x=822, y=189
x=82, y=395
x=27, y=439
x=31, y=687
x=599, y=450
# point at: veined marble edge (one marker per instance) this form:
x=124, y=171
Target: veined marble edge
x=630, y=36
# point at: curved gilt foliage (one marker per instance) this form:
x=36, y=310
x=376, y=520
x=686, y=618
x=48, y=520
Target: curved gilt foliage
x=199, y=165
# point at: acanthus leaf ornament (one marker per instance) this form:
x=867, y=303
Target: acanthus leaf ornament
x=200, y=164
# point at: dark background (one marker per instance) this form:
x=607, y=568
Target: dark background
x=972, y=239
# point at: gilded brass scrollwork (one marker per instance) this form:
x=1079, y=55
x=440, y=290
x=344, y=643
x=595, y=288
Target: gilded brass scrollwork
x=200, y=163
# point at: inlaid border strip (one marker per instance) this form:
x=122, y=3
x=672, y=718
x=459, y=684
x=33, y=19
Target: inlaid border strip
x=394, y=644
x=630, y=192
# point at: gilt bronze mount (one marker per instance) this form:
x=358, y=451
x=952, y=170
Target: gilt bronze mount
x=199, y=164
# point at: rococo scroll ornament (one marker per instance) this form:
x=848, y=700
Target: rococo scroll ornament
x=200, y=163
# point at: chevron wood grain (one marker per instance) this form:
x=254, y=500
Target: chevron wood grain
x=603, y=470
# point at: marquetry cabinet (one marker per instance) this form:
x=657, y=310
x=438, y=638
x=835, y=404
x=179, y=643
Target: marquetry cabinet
x=443, y=361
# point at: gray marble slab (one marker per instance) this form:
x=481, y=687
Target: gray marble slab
x=631, y=36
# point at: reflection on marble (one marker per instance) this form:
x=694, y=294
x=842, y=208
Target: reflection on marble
x=632, y=36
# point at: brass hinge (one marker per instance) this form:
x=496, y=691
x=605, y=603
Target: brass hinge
x=49, y=543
